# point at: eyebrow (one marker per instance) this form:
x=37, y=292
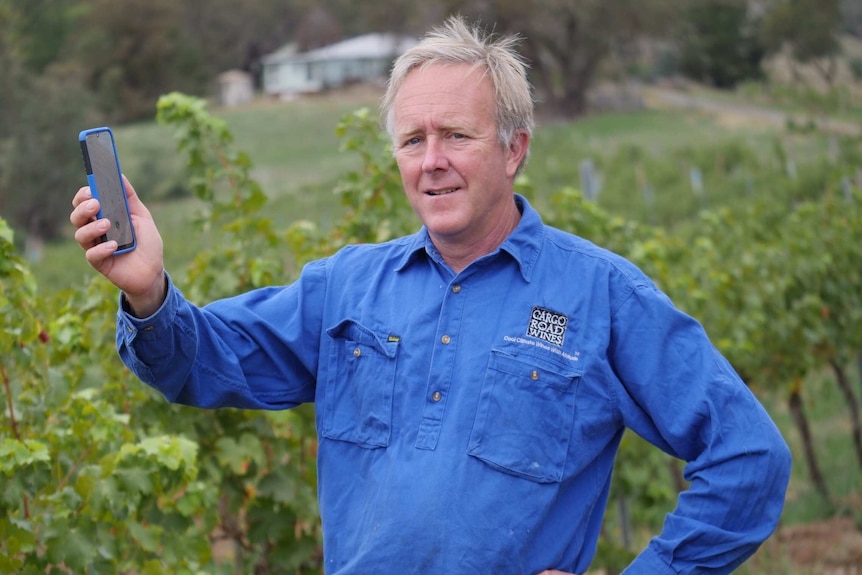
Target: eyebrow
x=448, y=128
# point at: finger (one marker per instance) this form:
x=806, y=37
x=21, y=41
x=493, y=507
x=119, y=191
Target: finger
x=81, y=196
x=135, y=203
x=90, y=234
x=130, y=189
x=84, y=213
x=101, y=254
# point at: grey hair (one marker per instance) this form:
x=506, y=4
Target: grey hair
x=455, y=42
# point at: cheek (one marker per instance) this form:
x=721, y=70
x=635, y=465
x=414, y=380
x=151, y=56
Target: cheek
x=407, y=169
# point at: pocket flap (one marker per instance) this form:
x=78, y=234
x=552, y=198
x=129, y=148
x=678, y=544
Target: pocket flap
x=531, y=368
x=352, y=330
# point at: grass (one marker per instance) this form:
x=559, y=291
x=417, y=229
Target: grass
x=557, y=149
x=292, y=144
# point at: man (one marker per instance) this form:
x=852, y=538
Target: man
x=472, y=381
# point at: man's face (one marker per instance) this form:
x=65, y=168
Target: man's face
x=457, y=175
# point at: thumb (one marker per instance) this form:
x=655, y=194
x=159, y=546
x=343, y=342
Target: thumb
x=136, y=206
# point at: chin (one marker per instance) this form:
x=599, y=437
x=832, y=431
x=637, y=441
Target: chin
x=448, y=231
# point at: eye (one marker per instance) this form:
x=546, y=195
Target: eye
x=457, y=136
x=413, y=141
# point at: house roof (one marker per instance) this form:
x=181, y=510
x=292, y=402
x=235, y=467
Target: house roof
x=285, y=52
x=368, y=46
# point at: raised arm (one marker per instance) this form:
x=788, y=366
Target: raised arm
x=140, y=273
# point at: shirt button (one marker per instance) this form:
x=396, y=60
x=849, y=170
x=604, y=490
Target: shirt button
x=357, y=352
x=456, y=289
x=437, y=396
x=534, y=375
x=446, y=339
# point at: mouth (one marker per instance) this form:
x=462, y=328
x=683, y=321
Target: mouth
x=443, y=192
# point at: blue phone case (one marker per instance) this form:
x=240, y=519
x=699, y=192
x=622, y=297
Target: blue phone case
x=106, y=158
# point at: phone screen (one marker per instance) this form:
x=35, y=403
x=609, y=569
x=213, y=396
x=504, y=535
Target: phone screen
x=103, y=175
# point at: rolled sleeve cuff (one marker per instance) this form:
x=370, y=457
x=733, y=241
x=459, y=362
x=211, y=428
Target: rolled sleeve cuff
x=648, y=563
x=131, y=327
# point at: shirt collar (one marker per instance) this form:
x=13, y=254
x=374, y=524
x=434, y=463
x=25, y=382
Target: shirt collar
x=523, y=244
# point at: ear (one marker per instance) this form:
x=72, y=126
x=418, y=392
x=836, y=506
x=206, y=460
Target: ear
x=516, y=151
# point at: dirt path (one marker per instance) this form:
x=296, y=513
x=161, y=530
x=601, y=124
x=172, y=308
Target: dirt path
x=829, y=547
x=740, y=114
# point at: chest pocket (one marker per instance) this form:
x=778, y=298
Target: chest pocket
x=357, y=398
x=525, y=417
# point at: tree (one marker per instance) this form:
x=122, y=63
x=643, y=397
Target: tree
x=39, y=29
x=317, y=28
x=135, y=51
x=42, y=108
x=566, y=42
x=398, y=16
x=41, y=164
x=236, y=36
x=851, y=17
x=808, y=30
x=719, y=43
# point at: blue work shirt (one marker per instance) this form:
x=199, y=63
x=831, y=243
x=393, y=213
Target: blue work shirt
x=468, y=421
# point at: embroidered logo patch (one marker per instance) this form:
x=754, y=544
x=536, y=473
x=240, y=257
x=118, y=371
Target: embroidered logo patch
x=548, y=325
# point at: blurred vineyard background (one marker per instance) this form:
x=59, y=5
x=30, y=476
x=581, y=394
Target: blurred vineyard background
x=718, y=144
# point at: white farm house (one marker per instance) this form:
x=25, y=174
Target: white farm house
x=367, y=58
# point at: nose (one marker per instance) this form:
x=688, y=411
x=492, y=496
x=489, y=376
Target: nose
x=435, y=156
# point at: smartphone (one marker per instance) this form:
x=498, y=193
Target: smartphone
x=106, y=184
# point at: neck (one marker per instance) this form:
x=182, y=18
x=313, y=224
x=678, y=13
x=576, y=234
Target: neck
x=459, y=254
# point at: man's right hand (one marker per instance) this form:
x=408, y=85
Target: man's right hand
x=138, y=273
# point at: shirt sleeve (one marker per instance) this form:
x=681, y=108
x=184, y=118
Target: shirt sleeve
x=676, y=391
x=255, y=351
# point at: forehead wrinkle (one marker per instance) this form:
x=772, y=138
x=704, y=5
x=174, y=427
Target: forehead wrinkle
x=441, y=107
x=443, y=118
